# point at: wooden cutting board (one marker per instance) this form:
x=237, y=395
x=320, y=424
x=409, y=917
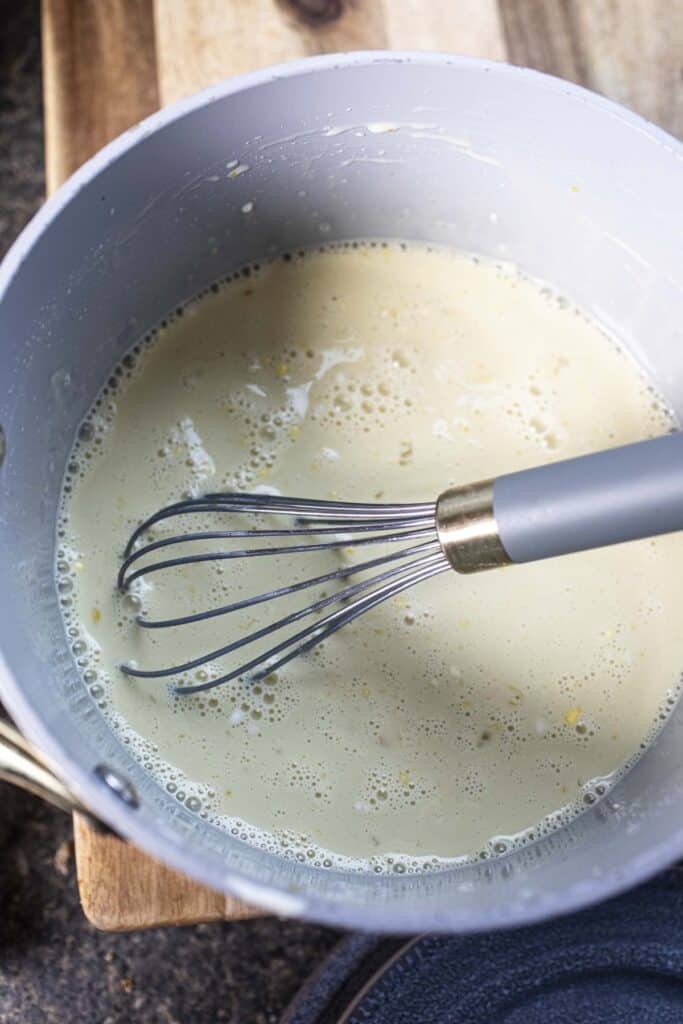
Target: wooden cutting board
x=109, y=63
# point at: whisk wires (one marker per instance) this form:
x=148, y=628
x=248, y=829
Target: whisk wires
x=311, y=526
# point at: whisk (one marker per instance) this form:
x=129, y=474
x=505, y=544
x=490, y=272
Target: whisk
x=588, y=502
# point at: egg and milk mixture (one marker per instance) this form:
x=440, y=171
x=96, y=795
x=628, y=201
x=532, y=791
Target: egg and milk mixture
x=464, y=716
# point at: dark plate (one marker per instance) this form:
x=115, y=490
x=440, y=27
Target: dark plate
x=619, y=963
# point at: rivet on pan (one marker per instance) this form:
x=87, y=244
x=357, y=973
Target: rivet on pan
x=123, y=789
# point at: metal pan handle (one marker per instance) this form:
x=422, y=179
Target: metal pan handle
x=22, y=765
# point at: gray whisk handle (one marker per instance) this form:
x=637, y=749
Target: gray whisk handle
x=589, y=502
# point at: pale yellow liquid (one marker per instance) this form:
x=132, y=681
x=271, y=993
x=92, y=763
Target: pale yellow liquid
x=466, y=714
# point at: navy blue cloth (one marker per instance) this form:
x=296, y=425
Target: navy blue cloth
x=618, y=963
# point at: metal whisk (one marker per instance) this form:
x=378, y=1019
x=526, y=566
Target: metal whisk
x=314, y=526
x=593, y=501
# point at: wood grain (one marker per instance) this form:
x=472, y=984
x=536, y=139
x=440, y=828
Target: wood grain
x=123, y=889
x=470, y=27
x=628, y=50
x=99, y=77
x=199, y=42
x=109, y=63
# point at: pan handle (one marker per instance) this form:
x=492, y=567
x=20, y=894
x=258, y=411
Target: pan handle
x=22, y=765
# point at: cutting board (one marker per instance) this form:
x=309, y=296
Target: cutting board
x=109, y=63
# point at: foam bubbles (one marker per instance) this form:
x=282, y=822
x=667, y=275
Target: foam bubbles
x=395, y=699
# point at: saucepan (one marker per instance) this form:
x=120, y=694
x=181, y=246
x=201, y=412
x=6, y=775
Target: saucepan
x=492, y=159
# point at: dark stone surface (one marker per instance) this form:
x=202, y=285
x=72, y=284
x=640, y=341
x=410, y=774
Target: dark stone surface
x=22, y=180
x=54, y=967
